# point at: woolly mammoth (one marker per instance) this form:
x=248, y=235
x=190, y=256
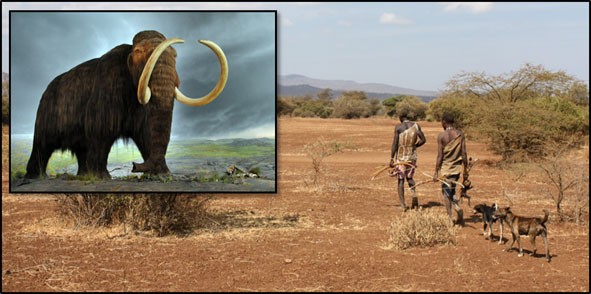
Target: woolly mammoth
x=126, y=93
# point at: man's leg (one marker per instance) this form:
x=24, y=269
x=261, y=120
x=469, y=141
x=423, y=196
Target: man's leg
x=401, y=193
x=454, y=200
x=415, y=200
x=447, y=199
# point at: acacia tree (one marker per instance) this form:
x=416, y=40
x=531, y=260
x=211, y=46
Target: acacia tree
x=325, y=95
x=530, y=81
x=518, y=111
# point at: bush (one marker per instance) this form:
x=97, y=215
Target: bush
x=463, y=109
x=527, y=129
x=413, y=106
x=349, y=108
x=522, y=113
x=164, y=214
x=373, y=107
x=320, y=150
x=285, y=106
x=390, y=104
x=422, y=228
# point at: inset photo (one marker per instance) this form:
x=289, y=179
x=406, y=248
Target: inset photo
x=157, y=101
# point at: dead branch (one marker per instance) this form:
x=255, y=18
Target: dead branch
x=505, y=194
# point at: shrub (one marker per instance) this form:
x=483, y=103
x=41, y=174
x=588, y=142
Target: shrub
x=300, y=112
x=390, y=104
x=320, y=150
x=164, y=214
x=413, y=106
x=285, y=106
x=349, y=108
x=422, y=228
x=89, y=209
x=306, y=106
x=519, y=112
x=527, y=129
x=463, y=109
x=569, y=185
x=373, y=107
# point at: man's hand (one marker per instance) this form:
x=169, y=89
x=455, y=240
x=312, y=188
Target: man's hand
x=435, y=177
x=392, y=162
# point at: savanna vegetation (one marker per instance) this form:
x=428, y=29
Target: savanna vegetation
x=521, y=114
x=532, y=117
x=167, y=213
x=350, y=105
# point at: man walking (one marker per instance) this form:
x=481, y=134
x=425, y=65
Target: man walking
x=404, y=155
x=451, y=161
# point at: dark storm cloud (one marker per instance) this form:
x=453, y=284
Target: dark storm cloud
x=45, y=45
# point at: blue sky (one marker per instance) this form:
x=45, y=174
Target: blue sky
x=412, y=45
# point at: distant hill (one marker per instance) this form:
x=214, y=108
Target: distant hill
x=298, y=85
x=301, y=90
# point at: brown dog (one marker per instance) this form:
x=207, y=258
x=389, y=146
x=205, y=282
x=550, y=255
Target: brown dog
x=521, y=225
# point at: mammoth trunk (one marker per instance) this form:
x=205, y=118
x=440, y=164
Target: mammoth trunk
x=163, y=82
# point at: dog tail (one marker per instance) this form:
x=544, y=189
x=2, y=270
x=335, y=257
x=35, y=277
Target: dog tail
x=546, y=214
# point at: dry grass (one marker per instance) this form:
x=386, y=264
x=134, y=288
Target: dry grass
x=164, y=214
x=421, y=228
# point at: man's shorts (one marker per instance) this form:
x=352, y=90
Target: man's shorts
x=404, y=170
x=450, y=191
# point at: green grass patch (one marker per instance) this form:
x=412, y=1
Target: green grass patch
x=122, y=153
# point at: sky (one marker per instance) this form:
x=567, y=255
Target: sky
x=412, y=45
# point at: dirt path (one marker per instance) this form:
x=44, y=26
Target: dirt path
x=330, y=237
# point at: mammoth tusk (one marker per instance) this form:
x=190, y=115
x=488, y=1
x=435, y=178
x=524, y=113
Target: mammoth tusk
x=218, y=87
x=143, y=91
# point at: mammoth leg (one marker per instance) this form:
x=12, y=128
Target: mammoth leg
x=96, y=159
x=81, y=154
x=161, y=122
x=143, y=143
x=37, y=164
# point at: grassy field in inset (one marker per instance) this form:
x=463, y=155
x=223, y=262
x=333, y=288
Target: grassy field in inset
x=121, y=152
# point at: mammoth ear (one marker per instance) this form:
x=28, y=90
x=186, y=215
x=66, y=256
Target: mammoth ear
x=129, y=61
x=132, y=70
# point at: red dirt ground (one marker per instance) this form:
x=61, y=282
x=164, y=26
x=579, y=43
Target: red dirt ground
x=330, y=237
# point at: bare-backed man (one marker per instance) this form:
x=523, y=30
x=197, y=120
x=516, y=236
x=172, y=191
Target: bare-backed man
x=404, y=155
x=451, y=162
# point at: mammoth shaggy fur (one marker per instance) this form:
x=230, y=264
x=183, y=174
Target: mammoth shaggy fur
x=88, y=108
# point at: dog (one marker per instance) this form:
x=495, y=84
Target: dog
x=488, y=218
x=521, y=225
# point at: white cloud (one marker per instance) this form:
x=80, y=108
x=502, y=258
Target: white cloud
x=391, y=18
x=474, y=7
